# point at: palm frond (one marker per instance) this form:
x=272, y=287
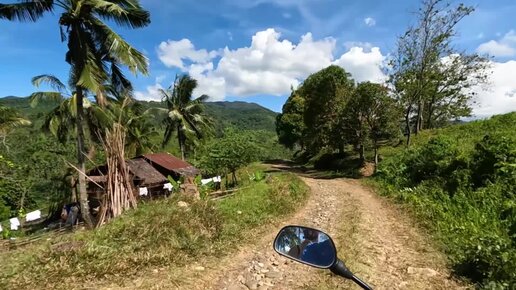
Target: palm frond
x=127, y=13
x=202, y=98
x=13, y=122
x=28, y=10
x=51, y=80
x=118, y=79
x=119, y=49
x=184, y=88
x=92, y=75
x=37, y=97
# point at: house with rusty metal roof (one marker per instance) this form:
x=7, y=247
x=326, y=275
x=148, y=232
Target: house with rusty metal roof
x=149, y=170
x=168, y=164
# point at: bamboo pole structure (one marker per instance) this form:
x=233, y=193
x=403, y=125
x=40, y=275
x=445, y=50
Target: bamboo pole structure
x=119, y=192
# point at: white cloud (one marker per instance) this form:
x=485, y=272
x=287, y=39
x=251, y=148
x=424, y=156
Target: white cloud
x=500, y=96
x=172, y=53
x=363, y=66
x=152, y=93
x=369, y=21
x=504, y=47
x=365, y=45
x=270, y=65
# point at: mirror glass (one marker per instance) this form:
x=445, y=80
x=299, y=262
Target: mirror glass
x=306, y=245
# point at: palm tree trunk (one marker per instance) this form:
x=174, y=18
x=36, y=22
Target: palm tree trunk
x=181, y=142
x=83, y=194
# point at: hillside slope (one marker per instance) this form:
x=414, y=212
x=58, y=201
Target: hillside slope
x=460, y=181
x=241, y=115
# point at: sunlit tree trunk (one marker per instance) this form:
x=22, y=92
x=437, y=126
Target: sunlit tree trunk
x=407, y=124
x=83, y=194
x=181, y=141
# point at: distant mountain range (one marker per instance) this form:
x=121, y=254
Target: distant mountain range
x=241, y=115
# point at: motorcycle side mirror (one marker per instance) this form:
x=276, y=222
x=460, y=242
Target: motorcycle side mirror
x=306, y=245
x=314, y=248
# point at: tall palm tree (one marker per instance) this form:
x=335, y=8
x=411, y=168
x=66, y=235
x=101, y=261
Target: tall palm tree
x=28, y=10
x=94, y=53
x=185, y=115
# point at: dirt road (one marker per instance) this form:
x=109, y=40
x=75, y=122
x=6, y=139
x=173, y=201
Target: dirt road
x=377, y=241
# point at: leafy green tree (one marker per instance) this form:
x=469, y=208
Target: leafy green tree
x=449, y=91
x=354, y=118
x=423, y=85
x=381, y=114
x=32, y=174
x=62, y=119
x=290, y=125
x=326, y=94
x=185, y=116
x=228, y=154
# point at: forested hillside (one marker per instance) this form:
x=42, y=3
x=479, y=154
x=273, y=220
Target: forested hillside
x=35, y=158
x=240, y=115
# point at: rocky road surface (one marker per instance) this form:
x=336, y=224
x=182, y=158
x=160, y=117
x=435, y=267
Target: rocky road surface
x=379, y=243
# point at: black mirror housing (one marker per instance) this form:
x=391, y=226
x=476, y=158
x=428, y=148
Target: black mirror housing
x=306, y=245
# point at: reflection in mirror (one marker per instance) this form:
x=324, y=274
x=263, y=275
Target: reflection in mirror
x=306, y=245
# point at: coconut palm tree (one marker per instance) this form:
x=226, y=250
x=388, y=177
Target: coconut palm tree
x=94, y=53
x=185, y=115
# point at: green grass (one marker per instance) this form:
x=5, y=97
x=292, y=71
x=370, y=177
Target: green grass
x=460, y=182
x=157, y=234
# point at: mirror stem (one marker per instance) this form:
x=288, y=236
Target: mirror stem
x=339, y=268
x=361, y=283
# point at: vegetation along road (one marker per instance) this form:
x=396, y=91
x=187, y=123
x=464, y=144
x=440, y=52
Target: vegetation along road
x=377, y=241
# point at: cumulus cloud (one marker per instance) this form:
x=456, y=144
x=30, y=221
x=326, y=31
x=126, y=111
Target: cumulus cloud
x=363, y=66
x=369, y=21
x=151, y=94
x=504, y=47
x=500, y=96
x=173, y=53
x=270, y=65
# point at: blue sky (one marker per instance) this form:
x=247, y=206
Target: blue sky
x=255, y=50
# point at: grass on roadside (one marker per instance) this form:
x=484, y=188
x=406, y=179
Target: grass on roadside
x=157, y=234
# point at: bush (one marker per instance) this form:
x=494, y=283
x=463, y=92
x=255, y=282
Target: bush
x=462, y=184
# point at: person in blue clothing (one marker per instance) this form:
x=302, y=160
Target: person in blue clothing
x=319, y=253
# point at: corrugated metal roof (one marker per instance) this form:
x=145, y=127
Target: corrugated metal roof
x=171, y=163
x=143, y=170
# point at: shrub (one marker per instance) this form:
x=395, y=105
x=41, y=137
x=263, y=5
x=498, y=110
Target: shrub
x=462, y=185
